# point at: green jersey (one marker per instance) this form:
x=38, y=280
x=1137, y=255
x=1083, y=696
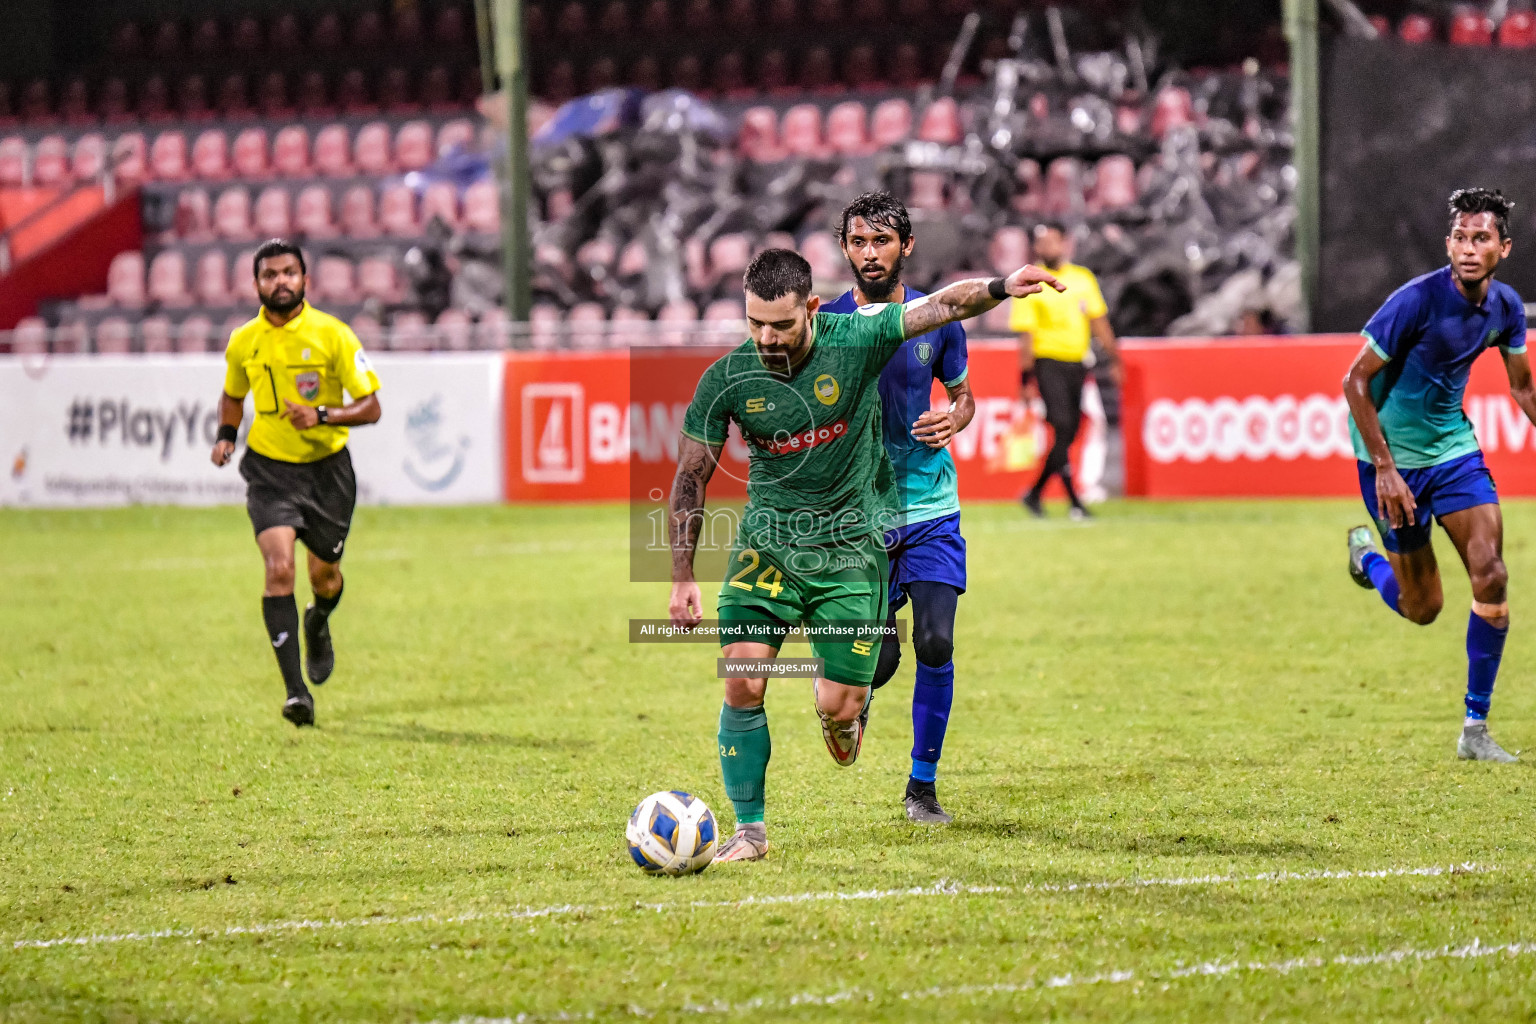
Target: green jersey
x=819, y=482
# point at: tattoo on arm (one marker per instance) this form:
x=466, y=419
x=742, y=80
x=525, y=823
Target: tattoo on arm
x=959, y=301
x=695, y=465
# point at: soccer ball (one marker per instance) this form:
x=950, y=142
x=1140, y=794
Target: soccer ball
x=671, y=833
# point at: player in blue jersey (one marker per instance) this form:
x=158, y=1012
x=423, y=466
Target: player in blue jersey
x=1419, y=459
x=926, y=551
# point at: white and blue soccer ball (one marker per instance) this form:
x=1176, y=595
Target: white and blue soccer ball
x=672, y=833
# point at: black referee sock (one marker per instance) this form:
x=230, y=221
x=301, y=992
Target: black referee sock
x=326, y=605
x=282, y=618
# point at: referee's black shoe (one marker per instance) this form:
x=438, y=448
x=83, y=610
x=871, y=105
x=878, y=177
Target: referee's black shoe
x=300, y=710
x=319, y=655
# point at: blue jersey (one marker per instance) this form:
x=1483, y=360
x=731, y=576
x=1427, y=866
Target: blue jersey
x=1430, y=336
x=925, y=477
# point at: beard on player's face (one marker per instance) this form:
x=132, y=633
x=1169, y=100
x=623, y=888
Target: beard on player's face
x=883, y=285
x=282, y=299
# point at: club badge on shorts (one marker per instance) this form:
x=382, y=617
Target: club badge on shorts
x=308, y=384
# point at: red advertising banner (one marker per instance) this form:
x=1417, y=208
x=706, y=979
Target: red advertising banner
x=1253, y=417
x=603, y=426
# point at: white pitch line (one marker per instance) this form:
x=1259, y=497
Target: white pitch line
x=943, y=887
x=1210, y=968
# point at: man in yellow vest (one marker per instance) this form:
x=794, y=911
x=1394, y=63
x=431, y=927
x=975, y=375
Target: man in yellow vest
x=1056, y=331
x=296, y=362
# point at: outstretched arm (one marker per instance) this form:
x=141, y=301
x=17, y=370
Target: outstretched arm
x=965, y=299
x=1394, y=498
x=696, y=463
x=1521, y=387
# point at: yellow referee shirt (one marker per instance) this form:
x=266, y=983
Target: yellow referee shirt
x=309, y=360
x=1058, y=321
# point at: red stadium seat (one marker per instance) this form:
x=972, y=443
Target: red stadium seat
x=683, y=314
x=194, y=216
x=773, y=72
x=572, y=20
x=168, y=156
x=314, y=98
x=629, y=328
x=285, y=35
x=352, y=94
x=332, y=153
x=242, y=280
x=250, y=153
x=272, y=100
x=71, y=336
x=290, y=151
x=37, y=103
x=413, y=146
x=154, y=104
x=724, y=311
x=357, y=218
x=1114, y=183
x=634, y=258
x=75, y=104
x=1382, y=24
x=376, y=279
x=906, y=66
x=113, y=103
x=448, y=28
x=232, y=214
x=210, y=285
x=405, y=27
x=759, y=136
x=397, y=211
x=816, y=71
x=395, y=93
x=1172, y=109
x=455, y=330
x=167, y=279
x=31, y=336
x=544, y=322
x=587, y=325
x=127, y=41
x=927, y=191
x=728, y=256
x=846, y=132
x=194, y=334
x=410, y=332
x=125, y=280
x=234, y=98
x=327, y=33
x=941, y=122
x=210, y=155
x=1063, y=187
x=1008, y=250
x=482, y=208
x=335, y=280
x=50, y=162
x=1416, y=28
x=437, y=90
x=741, y=15
x=368, y=332
x=205, y=38
x=89, y=158
x=114, y=336
x=155, y=337
x=458, y=133
x=441, y=200
x=1470, y=27
x=370, y=151
x=491, y=330
x=192, y=99
x=891, y=123
x=368, y=31
x=1518, y=30
x=821, y=251
x=128, y=159
x=273, y=214
x=312, y=213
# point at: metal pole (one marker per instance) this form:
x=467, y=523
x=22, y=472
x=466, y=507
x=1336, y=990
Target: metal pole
x=516, y=250
x=1306, y=99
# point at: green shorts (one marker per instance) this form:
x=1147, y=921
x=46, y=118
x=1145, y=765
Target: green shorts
x=760, y=604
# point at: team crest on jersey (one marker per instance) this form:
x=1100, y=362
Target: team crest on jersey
x=308, y=385
x=827, y=389
x=924, y=352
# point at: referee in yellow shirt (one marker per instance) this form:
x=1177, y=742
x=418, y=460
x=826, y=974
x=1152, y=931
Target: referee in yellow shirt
x=295, y=362
x=1055, y=332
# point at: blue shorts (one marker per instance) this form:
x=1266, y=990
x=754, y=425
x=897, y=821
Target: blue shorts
x=928, y=552
x=1437, y=491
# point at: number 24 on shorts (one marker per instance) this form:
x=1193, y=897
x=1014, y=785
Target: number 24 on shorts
x=771, y=579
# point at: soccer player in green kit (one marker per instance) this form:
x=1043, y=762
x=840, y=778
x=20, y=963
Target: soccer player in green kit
x=820, y=494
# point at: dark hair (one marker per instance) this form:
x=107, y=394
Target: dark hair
x=1051, y=225
x=276, y=247
x=880, y=208
x=774, y=273
x=1482, y=200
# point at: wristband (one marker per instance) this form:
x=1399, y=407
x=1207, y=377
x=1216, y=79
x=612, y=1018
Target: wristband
x=322, y=414
x=998, y=288
x=227, y=433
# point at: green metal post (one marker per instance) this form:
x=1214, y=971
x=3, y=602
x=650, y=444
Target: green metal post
x=515, y=190
x=1306, y=117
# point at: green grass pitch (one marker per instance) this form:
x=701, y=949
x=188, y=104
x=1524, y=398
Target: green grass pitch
x=1184, y=749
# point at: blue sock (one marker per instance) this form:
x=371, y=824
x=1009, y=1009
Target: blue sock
x=1485, y=646
x=931, y=697
x=1379, y=570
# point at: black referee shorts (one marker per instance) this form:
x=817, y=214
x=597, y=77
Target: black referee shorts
x=315, y=498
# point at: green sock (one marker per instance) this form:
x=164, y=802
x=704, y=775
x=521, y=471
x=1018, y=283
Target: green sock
x=744, y=752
